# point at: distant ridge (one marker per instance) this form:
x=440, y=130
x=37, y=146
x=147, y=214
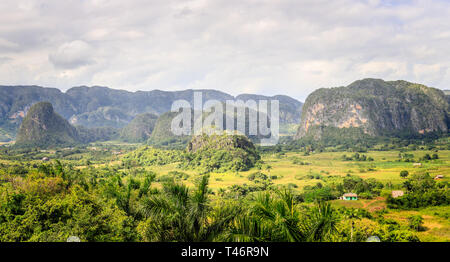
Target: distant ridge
x=105, y=107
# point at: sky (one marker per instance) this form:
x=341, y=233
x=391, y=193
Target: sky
x=269, y=47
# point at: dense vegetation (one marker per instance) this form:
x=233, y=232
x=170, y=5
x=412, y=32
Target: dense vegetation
x=221, y=153
x=205, y=153
x=147, y=156
x=341, y=142
x=422, y=191
x=51, y=202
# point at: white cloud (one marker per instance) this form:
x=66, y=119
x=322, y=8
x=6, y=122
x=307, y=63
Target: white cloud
x=390, y=69
x=72, y=55
x=271, y=47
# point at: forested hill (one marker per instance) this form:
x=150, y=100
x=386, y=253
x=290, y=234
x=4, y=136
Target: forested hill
x=376, y=107
x=42, y=127
x=101, y=106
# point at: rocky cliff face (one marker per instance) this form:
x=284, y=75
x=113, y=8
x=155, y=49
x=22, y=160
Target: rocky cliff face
x=102, y=117
x=290, y=109
x=377, y=107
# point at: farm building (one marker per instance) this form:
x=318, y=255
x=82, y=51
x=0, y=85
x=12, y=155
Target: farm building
x=397, y=193
x=350, y=196
x=417, y=164
x=438, y=177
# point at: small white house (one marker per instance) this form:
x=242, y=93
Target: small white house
x=349, y=196
x=397, y=193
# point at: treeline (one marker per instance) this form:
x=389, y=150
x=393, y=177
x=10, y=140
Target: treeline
x=95, y=153
x=421, y=191
x=352, y=140
x=365, y=188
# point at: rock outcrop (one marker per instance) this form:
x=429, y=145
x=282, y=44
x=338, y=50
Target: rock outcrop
x=42, y=127
x=376, y=107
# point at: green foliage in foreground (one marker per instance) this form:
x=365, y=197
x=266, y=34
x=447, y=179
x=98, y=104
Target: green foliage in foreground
x=416, y=222
x=51, y=202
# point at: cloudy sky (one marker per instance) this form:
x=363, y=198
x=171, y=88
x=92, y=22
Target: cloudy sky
x=238, y=46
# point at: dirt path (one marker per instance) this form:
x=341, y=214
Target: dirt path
x=366, y=205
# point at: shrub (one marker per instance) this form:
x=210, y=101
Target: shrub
x=404, y=173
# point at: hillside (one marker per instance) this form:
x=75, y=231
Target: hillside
x=140, y=128
x=102, y=117
x=43, y=127
x=97, y=134
x=162, y=136
x=376, y=107
x=105, y=107
x=221, y=153
x=290, y=109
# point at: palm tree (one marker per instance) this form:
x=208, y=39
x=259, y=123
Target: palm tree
x=320, y=223
x=270, y=218
x=179, y=215
x=351, y=215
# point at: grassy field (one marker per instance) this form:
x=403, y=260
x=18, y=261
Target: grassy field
x=384, y=168
x=436, y=222
x=436, y=219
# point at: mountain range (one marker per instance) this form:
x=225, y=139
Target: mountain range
x=105, y=107
x=371, y=107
